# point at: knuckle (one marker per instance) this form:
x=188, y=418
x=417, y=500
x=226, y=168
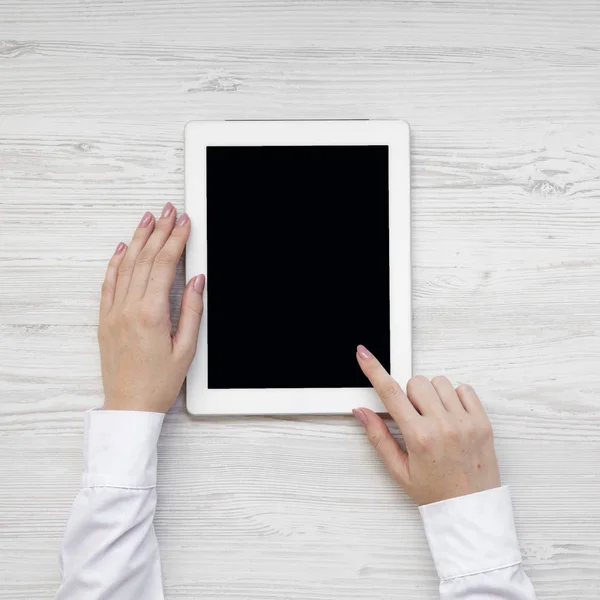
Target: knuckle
x=114, y=261
x=107, y=324
x=149, y=314
x=470, y=429
x=486, y=431
x=107, y=288
x=464, y=388
x=411, y=428
x=165, y=259
x=127, y=313
x=449, y=431
x=125, y=268
x=376, y=440
x=144, y=257
x=196, y=308
x=389, y=390
x=424, y=440
x=415, y=383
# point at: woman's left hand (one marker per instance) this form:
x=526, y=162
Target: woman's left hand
x=143, y=364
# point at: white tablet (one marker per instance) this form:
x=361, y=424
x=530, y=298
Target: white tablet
x=303, y=231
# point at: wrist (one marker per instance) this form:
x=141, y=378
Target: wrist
x=132, y=408
x=131, y=404
x=456, y=492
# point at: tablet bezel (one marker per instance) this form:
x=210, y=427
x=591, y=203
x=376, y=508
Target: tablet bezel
x=396, y=135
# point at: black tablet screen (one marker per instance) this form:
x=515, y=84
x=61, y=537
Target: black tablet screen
x=298, y=264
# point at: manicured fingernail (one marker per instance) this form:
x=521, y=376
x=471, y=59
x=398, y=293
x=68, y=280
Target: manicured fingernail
x=361, y=416
x=199, y=282
x=146, y=219
x=363, y=352
x=167, y=210
x=120, y=248
x=183, y=219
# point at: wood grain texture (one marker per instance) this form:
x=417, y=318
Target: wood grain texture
x=503, y=101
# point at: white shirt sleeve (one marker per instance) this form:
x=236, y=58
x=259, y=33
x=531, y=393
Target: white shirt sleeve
x=475, y=548
x=110, y=551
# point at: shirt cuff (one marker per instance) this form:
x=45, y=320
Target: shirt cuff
x=120, y=448
x=472, y=534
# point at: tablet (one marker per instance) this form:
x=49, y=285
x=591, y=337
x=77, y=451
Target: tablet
x=303, y=231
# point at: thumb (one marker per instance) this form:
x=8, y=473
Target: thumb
x=192, y=305
x=393, y=456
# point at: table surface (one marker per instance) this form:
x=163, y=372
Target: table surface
x=503, y=100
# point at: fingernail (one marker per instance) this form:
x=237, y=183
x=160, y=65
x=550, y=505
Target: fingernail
x=120, y=248
x=146, y=219
x=167, y=210
x=363, y=352
x=183, y=219
x=199, y=282
x=360, y=415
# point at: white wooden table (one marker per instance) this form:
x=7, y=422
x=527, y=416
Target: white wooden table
x=503, y=97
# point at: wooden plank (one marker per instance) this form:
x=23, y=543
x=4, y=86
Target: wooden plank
x=502, y=98
x=309, y=23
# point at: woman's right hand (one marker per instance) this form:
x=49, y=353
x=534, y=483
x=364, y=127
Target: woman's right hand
x=448, y=436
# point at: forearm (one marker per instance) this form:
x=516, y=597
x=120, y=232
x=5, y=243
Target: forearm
x=475, y=548
x=110, y=550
